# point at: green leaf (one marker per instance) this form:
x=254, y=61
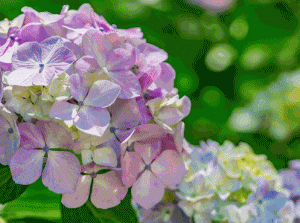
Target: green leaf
x=123, y=213
x=9, y=190
x=36, y=202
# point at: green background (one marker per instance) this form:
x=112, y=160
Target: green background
x=257, y=40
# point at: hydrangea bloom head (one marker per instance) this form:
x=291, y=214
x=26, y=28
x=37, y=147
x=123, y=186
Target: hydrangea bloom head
x=79, y=84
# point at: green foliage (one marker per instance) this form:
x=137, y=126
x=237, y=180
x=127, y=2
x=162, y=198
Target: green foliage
x=9, y=190
x=122, y=213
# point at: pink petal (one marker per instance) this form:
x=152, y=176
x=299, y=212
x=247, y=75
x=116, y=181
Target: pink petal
x=108, y=190
x=165, y=79
x=95, y=44
x=147, y=191
x=148, y=150
x=147, y=131
x=169, y=168
x=31, y=136
x=125, y=113
x=120, y=59
x=81, y=195
x=63, y=110
x=61, y=172
x=26, y=165
x=130, y=86
x=92, y=120
x=55, y=135
x=154, y=55
x=132, y=165
x=102, y=94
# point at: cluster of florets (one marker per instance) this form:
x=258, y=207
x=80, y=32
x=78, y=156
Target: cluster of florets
x=226, y=183
x=86, y=105
x=272, y=109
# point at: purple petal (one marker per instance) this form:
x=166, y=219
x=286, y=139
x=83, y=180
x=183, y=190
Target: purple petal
x=79, y=87
x=31, y=136
x=55, y=135
x=86, y=64
x=147, y=191
x=102, y=94
x=130, y=86
x=294, y=164
x=146, y=116
x=92, y=121
x=154, y=55
x=26, y=165
x=4, y=47
x=108, y=190
x=7, y=56
x=59, y=57
x=125, y=113
x=169, y=168
x=61, y=172
x=120, y=59
x=33, y=32
x=63, y=110
x=28, y=56
x=147, y=78
x=166, y=78
x=81, y=195
x=95, y=44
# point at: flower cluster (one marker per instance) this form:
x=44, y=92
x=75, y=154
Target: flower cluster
x=225, y=183
x=273, y=109
x=86, y=105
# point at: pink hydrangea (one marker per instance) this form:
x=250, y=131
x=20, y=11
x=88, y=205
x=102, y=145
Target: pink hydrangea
x=105, y=94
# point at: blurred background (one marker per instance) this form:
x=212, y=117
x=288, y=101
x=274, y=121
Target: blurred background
x=236, y=60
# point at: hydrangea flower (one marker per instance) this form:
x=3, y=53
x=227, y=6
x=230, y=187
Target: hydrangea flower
x=9, y=135
x=170, y=110
x=62, y=168
x=115, y=64
x=88, y=112
x=150, y=167
x=27, y=102
x=37, y=63
x=107, y=189
x=83, y=85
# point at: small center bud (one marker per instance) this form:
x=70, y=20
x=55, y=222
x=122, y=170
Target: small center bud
x=80, y=103
x=46, y=149
x=147, y=167
x=101, y=29
x=41, y=65
x=10, y=130
x=12, y=37
x=114, y=26
x=129, y=148
x=135, y=69
x=147, y=96
x=94, y=175
x=112, y=129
